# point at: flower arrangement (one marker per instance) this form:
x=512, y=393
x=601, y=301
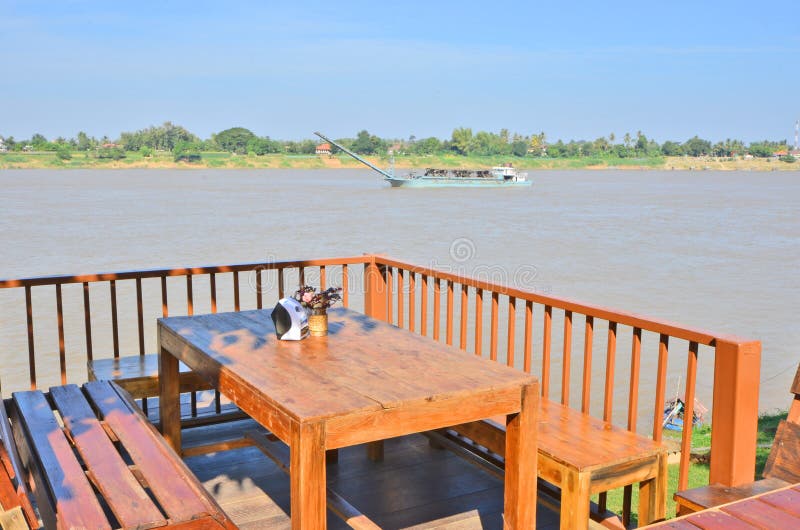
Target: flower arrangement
x=315, y=302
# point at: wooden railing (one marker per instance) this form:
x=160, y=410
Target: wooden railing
x=497, y=321
x=70, y=320
x=74, y=319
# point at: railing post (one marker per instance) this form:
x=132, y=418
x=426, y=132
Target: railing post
x=734, y=420
x=375, y=290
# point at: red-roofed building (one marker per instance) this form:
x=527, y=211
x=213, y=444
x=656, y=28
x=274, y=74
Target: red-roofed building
x=323, y=149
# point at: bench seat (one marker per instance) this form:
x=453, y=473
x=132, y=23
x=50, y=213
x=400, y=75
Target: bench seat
x=107, y=467
x=138, y=375
x=583, y=456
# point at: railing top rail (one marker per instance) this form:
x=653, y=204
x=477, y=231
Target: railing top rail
x=672, y=329
x=157, y=273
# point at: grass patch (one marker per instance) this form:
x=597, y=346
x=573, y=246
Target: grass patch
x=698, y=472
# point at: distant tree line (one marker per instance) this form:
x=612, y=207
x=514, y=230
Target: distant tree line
x=185, y=145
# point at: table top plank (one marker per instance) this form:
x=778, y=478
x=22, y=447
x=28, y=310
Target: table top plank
x=718, y=521
x=363, y=365
x=760, y=514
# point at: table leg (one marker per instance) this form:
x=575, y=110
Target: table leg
x=307, y=476
x=653, y=495
x=520, y=482
x=169, y=401
x=375, y=451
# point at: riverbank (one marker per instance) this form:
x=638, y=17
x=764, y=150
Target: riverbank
x=164, y=160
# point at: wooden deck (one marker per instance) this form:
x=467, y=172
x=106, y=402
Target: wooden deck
x=415, y=486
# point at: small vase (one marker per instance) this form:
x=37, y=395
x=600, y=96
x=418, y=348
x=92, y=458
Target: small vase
x=318, y=324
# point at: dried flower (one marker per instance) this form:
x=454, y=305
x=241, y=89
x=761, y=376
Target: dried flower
x=317, y=302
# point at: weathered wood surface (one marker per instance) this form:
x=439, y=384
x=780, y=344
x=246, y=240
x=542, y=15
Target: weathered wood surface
x=782, y=466
x=107, y=467
x=767, y=511
x=138, y=374
x=584, y=456
x=365, y=381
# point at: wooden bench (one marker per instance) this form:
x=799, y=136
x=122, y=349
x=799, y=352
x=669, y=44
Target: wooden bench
x=16, y=511
x=103, y=465
x=138, y=375
x=583, y=456
x=782, y=467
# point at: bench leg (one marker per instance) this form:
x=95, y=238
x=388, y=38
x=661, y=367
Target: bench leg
x=307, y=477
x=375, y=451
x=575, y=500
x=653, y=495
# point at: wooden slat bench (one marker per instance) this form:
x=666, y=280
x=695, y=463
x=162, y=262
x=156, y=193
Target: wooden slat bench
x=16, y=511
x=583, y=456
x=106, y=467
x=782, y=467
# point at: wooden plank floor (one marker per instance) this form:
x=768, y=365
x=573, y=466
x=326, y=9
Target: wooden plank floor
x=415, y=486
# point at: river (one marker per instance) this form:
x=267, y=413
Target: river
x=714, y=250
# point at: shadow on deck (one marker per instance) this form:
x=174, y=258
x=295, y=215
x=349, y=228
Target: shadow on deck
x=415, y=486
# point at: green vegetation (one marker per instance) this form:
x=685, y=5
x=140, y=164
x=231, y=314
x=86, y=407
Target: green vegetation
x=699, y=466
x=463, y=148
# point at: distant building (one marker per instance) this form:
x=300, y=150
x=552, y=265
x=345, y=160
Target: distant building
x=109, y=146
x=323, y=149
x=395, y=148
x=3, y=147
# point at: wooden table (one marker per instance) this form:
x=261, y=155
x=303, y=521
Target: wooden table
x=366, y=381
x=772, y=510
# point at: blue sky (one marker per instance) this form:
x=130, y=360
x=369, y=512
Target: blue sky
x=574, y=70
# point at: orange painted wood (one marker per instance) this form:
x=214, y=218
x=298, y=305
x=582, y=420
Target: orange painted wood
x=307, y=474
x=784, y=459
x=388, y=290
x=686, y=435
x=236, y=300
x=512, y=321
x=375, y=291
x=547, y=329
x=190, y=295
x=528, y=352
x=62, y=355
x=366, y=381
x=322, y=278
x=449, y=316
x=787, y=500
x=633, y=389
x=423, y=307
x=479, y=322
x=281, y=288
x=121, y=490
x=761, y=514
x=301, y=274
x=114, y=321
x=661, y=386
x=493, y=327
x=737, y=369
x=164, y=298
x=400, y=308
x=412, y=301
x=566, y=359
x=611, y=361
x=139, y=315
x=87, y=320
x=212, y=284
x=437, y=307
x=715, y=521
x=520, y=459
x=345, y=287
x=31, y=348
x=586, y=388
x=259, y=289
x=464, y=317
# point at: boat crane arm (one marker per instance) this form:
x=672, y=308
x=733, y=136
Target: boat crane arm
x=349, y=152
